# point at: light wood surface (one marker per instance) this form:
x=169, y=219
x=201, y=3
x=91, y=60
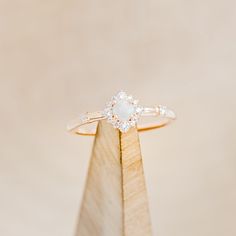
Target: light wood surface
x=115, y=199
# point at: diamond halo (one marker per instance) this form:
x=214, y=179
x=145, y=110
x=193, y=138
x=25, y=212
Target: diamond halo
x=123, y=111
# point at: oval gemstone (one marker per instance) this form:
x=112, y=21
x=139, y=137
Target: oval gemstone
x=123, y=109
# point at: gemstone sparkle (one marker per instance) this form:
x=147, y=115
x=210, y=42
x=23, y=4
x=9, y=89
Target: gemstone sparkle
x=123, y=111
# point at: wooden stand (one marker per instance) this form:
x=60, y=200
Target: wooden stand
x=115, y=199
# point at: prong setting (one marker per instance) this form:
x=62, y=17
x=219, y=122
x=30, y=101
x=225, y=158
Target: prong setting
x=123, y=111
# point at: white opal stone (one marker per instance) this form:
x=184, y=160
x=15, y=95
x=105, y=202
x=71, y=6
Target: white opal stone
x=123, y=109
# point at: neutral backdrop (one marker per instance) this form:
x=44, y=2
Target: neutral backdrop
x=61, y=58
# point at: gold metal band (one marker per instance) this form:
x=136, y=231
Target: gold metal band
x=87, y=123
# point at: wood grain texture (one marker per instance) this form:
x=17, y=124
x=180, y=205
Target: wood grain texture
x=115, y=200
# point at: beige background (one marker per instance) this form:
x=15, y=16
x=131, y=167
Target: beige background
x=60, y=58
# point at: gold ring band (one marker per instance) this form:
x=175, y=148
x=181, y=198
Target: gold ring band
x=123, y=112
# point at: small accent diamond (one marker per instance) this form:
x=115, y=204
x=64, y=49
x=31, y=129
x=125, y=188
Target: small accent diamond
x=162, y=110
x=84, y=117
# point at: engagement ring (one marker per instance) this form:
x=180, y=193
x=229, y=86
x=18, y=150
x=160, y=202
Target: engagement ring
x=123, y=112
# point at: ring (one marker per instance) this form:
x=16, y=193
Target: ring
x=123, y=112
